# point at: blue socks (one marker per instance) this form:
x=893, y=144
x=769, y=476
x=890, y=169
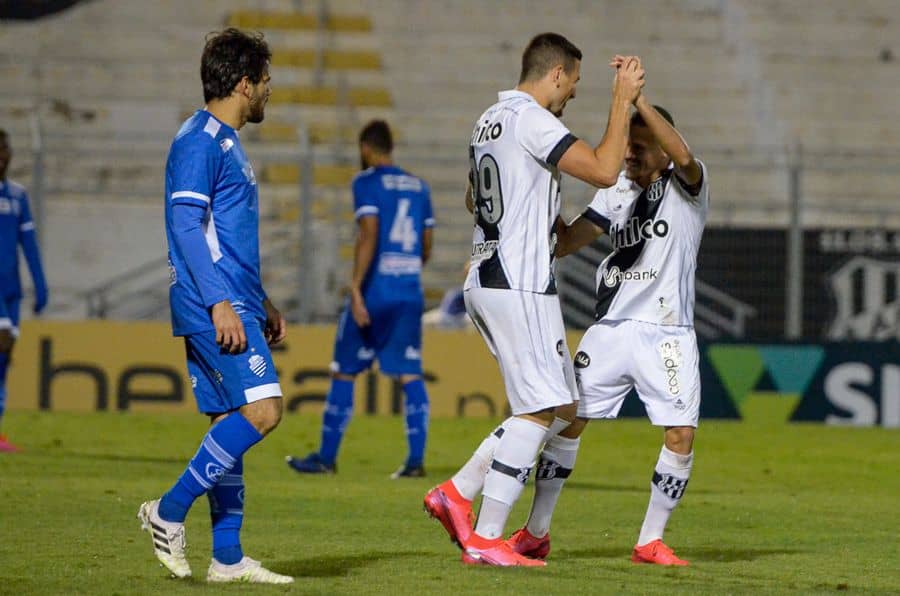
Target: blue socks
x=219, y=452
x=226, y=508
x=416, y=421
x=338, y=410
x=4, y=366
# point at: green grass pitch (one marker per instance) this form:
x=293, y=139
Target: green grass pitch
x=771, y=508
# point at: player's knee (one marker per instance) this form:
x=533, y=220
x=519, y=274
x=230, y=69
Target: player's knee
x=574, y=430
x=264, y=415
x=680, y=439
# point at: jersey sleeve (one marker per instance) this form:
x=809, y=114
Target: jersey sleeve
x=695, y=194
x=365, y=201
x=598, y=212
x=26, y=224
x=192, y=169
x=28, y=240
x=543, y=135
x=187, y=222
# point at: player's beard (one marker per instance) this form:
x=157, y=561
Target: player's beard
x=257, y=110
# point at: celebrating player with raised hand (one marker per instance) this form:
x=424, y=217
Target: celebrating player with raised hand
x=518, y=149
x=644, y=335
x=219, y=306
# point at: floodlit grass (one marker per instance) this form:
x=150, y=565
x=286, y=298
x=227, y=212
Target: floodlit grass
x=770, y=508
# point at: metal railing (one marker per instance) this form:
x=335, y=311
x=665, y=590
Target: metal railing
x=789, y=201
x=716, y=314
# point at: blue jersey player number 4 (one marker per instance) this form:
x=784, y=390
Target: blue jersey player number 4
x=383, y=316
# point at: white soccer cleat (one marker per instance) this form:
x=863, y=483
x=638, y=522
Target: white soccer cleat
x=247, y=570
x=168, y=539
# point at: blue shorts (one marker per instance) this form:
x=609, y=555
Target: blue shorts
x=223, y=382
x=9, y=315
x=394, y=337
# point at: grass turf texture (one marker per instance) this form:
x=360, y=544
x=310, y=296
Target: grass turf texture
x=770, y=508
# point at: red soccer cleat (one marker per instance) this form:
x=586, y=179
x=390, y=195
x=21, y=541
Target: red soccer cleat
x=497, y=553
x=453, y=511
x=524, y=543
x=6, y=446
x=657, y=553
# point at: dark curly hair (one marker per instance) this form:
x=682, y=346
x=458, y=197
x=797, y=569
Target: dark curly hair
x=377, y=134
x=229, y=56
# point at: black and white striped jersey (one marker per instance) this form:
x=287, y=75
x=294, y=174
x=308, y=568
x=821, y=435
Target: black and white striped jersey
x=655, y=233
x=514, y=152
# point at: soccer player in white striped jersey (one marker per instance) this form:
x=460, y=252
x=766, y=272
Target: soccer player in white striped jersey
x=518, y=149
x=655, y=216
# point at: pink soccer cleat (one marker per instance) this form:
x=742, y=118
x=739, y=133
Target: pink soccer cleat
x=657, y=553
x=453, y=511
x=497, y=553
x=6, y=446
x=524, y=543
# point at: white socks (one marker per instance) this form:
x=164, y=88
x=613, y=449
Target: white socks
x=469, y=480
x=555, y=465
x=670, y=479
x=514, y=457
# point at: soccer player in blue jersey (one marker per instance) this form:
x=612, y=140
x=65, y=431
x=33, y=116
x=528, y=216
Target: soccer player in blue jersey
x=383, y=316
x=16, y=228
x=219, y=306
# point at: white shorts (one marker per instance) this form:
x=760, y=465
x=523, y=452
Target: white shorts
x=660, y=361
x=526, y=334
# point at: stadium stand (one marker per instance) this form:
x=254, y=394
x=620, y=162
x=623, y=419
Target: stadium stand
x=755, y=85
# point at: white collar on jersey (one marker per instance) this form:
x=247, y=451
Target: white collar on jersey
x=510, y=93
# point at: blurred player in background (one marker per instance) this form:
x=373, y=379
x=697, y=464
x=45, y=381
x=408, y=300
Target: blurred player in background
x=16, y=228
x=518, y=149
x=383, y=317
x=219, y=306
x=644, y=335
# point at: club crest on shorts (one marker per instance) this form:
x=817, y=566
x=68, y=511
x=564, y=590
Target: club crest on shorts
x=257, y=364
x=560, y=346
x=582, y=360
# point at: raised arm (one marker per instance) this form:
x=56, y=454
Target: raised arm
x=600, y=166
x=671, y=141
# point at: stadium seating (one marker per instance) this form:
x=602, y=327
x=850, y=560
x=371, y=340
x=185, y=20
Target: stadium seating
x=745, y=80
